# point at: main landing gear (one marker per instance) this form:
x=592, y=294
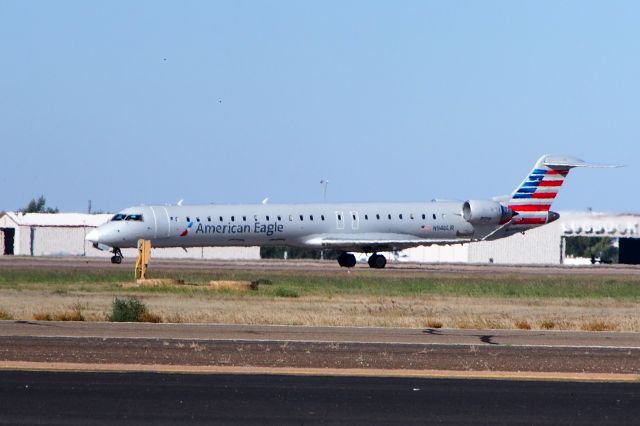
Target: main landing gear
x=347, y=260
x=117, y=256
x=377, y=261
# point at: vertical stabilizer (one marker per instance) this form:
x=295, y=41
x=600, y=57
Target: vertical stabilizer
x=533, y=198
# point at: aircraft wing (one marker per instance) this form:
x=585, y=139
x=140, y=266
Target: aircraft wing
x=371, y=242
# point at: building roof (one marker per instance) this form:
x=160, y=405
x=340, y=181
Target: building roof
x=58, y=219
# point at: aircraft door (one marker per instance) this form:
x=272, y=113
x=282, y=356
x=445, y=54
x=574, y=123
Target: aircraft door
x=339, y=220
x=161, y=222
x=355, y=221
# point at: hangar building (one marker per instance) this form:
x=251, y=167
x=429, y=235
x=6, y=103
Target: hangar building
x=62, y=234
x=543, y=245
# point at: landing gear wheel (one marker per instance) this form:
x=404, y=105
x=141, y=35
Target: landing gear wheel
x=347, y=260
x=117, y=256
x=377, y=261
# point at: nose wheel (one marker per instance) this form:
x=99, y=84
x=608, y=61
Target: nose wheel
x=377, y=261
x=117, y=256
x=347, y=260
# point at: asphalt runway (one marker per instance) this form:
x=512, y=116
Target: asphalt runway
x=47, y=398
x=308, y=266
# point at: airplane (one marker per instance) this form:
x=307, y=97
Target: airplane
x=367, y=228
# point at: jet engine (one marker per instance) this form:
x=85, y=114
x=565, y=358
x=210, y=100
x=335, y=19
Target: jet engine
x=482, y=212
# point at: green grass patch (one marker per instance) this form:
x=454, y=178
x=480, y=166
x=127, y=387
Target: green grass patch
x=286, y=292
x=334, y=283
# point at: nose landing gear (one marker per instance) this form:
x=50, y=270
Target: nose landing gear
x=377, y=261
x=117, y=256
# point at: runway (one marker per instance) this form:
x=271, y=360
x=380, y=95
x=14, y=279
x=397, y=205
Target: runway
x=309, y=266
x=161, y=399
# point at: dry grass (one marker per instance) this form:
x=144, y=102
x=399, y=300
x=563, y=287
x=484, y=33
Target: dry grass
x=547, y=325
x=434, y=324
x=598, y=325
x=147, y=316
x=522, y=324
x=345, y=310
x=42, y=316
x=73, y=314
x=5, y=315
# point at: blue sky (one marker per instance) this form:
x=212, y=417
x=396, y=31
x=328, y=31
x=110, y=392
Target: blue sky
x=127, y=102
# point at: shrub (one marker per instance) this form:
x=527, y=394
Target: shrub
x=522, y=325
x=131, y=310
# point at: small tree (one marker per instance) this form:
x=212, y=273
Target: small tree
x=38, y=206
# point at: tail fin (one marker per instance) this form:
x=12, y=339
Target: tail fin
x=533, y=198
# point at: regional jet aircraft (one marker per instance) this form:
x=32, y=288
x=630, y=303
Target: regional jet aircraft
x=350, y=227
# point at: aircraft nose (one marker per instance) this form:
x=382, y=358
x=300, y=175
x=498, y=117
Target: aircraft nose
x=93, y=236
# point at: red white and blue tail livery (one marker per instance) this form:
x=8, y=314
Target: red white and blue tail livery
x=531, y=201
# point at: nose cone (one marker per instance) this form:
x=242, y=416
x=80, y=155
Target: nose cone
x=93, y=236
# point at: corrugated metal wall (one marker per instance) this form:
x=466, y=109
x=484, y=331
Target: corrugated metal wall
x=538, y=246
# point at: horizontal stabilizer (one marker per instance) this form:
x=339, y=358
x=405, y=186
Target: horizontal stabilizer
x=563, y=162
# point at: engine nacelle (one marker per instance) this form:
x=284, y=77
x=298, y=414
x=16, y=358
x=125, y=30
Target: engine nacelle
x=483, y=212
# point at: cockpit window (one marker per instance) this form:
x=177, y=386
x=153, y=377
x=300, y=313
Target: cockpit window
x=118, y=217
x=134, y=217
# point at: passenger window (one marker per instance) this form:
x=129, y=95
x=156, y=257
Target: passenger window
x=221, y=219
x=339, y=217
x=267, y=219
x=366, y=217
x=353, y=216
x=279, y=218
x=188, y=219
x=255, y=217
x=378, y=216
x=197, y=219
x=411, y=216
x=434, y=216
x=322, y=217
x=389, y=216
x=244, y=218
x=233, y=218
x=424, y=216
x=208, y=218
x=310, y=217
x=301, y=218
x=400, y=216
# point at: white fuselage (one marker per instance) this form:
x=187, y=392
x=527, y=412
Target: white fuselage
x=357, y=227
